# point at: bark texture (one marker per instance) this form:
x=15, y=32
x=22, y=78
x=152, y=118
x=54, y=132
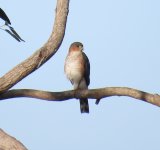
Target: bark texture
x=8, y=142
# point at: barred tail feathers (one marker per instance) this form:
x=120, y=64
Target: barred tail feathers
x=84, y=106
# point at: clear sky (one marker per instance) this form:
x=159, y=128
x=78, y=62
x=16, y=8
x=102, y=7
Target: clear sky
x=122, y=41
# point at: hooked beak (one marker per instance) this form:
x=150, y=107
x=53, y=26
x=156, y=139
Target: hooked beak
x=82, y=48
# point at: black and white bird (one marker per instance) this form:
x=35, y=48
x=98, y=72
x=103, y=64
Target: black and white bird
x=7, y=26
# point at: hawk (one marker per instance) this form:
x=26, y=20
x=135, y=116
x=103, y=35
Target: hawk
x=77, y=70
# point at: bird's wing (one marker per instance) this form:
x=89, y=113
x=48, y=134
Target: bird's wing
x=12, y=35
x=16, y=34
x=4, y=16
x=87, y=68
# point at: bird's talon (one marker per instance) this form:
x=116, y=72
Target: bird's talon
x=76, y=94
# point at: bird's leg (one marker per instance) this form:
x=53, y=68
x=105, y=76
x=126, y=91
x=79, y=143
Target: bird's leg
x=76, y=88
x=75, y=93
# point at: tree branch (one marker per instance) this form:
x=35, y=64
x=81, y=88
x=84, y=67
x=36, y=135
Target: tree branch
x=92, y=94
x=41, y=55
x=8, y=142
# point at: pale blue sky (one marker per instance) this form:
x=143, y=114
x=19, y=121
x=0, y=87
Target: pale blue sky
x=121, y=39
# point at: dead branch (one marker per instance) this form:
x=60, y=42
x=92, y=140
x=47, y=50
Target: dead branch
x=92, y=94
x=33, y=63
x=42, y=54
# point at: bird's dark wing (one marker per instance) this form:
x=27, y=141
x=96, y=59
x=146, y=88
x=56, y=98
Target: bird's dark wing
x=12, y=35
x=16, y=34
x=87, y=68
x=4, y=16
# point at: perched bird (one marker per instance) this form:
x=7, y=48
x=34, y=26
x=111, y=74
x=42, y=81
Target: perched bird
x=77, y=70
x=7, y=26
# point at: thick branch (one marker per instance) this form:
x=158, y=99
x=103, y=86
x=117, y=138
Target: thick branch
x=92, y=94
x=8, y=142
x=41, y=55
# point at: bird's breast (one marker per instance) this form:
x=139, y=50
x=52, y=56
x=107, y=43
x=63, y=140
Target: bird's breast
x=74, y=67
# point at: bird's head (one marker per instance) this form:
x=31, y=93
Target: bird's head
x=76, y=46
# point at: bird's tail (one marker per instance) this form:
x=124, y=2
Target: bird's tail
x=6, y=27
x=84, y=106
